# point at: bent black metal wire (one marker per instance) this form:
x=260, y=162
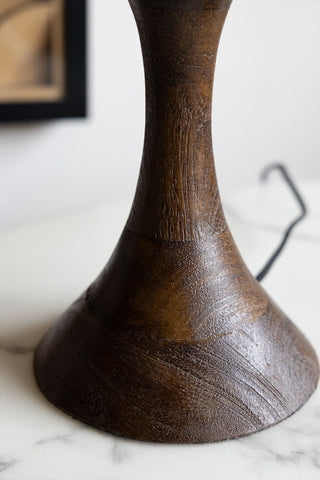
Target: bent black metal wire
x=264, y=176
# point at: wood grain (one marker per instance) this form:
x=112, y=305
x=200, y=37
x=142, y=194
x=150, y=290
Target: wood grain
x=177, y=193
x=175, y=341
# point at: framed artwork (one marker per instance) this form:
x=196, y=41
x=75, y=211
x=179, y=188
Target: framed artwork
x=42, y=59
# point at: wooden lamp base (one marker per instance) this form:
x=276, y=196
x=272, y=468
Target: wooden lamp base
x=175, y=341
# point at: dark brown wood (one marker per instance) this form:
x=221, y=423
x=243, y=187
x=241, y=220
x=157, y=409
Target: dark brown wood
x=176, y=341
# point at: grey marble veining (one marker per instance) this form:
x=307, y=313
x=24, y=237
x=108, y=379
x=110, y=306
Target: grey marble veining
x=5, y=464
x=16, y=349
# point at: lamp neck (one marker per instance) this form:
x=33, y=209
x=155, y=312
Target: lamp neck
x=177, y=195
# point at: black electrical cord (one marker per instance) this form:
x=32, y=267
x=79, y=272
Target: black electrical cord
x=264, y=176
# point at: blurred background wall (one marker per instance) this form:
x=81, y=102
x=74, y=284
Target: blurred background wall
x=266, y=108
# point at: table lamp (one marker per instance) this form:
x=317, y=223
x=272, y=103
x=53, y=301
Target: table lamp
x=176, y=341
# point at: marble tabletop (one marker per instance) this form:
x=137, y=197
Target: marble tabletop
x=43, y=268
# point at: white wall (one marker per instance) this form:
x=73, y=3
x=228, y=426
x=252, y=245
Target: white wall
x=267, y=107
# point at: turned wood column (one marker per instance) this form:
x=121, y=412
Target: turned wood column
x=177, y=196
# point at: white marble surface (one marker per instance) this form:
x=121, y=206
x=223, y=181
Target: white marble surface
x=44, y=266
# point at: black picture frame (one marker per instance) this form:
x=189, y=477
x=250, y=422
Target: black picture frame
x=74, y=101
